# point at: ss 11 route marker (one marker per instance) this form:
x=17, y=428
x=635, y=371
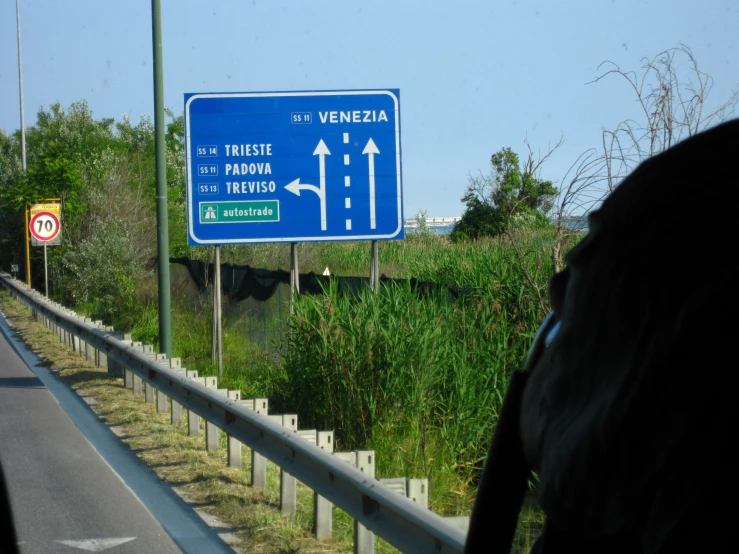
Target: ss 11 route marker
x=293, y=166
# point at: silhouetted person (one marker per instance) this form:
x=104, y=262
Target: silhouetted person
x=8, y=540
x=630, y=415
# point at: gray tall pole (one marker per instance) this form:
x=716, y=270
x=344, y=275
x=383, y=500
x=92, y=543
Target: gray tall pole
x=214, y=318
x=294, y=274
x=20, y=85
x=165, y=305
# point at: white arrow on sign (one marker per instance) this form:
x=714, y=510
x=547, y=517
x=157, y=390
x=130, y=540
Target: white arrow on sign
x=296, y=186
x=96, y=545
x=371, y=150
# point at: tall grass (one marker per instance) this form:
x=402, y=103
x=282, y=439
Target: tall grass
x=419, y=379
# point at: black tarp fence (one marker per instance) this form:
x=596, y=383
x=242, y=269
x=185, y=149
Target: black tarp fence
x=241, y=282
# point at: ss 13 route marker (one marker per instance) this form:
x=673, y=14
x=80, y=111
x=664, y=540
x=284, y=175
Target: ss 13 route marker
x=293, y=166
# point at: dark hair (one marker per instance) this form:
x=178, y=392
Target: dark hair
x=637, y=412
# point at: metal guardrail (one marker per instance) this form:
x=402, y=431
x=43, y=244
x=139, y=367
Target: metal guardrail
x=397, y=519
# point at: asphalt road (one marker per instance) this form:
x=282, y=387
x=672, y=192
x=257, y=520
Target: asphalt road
x=65, y=495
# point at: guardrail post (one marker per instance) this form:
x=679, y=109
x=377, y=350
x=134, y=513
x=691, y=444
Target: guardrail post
x=89, y=349
x=77, y=344
x=83, y=344
x=364, y=539
x=462, y=522
x=259, y=462
x=193, y=419
x=102, y=356
x=62, y=330
x=161, y=398
x=136, y=383
x=175, y=417
x=65, y=333
x=114, y=368
x=322, y=508
x=176, y=406
x=418, y=491
x=288, y=484
x=396, y=484
x=58, y=328
x=211, y=430
x=69, y=337
x=148, y=389
x=128, y=375
x=212, y=441
x=233, y=446
x=350, y=457
x=95, y=352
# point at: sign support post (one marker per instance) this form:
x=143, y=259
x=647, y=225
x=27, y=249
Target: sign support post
x=214, y=315
x=375, y=268
x=46, y=274
x=217, y=293
x=28, y=251
x=294, y=275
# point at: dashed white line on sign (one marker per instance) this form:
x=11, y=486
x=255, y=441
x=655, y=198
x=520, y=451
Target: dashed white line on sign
x=346, y=138
x=347, y=181
x=348, y=224
x=346, y=159
x=347, y=203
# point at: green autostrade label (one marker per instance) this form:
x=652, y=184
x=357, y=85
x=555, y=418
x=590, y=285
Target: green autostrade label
x=248, y=211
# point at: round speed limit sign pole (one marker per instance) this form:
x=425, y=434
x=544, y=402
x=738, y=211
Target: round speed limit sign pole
x=44, y=226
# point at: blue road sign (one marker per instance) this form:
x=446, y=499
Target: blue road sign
x=293, y=166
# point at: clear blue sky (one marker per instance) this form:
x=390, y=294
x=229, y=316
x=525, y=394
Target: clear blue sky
x=474, y=76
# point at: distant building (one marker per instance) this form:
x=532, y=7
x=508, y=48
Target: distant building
x=577, y=223
x=445, y=225
x=440, y=225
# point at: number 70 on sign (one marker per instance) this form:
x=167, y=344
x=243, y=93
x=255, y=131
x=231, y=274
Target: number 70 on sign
x=44, y=226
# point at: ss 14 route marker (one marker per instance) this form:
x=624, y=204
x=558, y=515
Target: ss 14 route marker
x=293, y=166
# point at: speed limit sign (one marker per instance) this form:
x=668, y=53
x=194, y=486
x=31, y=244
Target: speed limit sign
x=44, y=226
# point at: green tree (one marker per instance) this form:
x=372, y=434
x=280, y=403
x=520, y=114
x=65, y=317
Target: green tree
x=12, y=201
x=65, y=151
x=507, y=192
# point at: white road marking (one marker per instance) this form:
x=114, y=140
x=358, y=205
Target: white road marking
x=371, y=149
x=96, y=545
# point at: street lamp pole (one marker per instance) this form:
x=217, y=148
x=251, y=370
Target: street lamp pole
x=23, y=133
x=20, y=81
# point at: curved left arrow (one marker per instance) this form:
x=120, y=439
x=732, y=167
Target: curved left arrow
x=296, y=186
